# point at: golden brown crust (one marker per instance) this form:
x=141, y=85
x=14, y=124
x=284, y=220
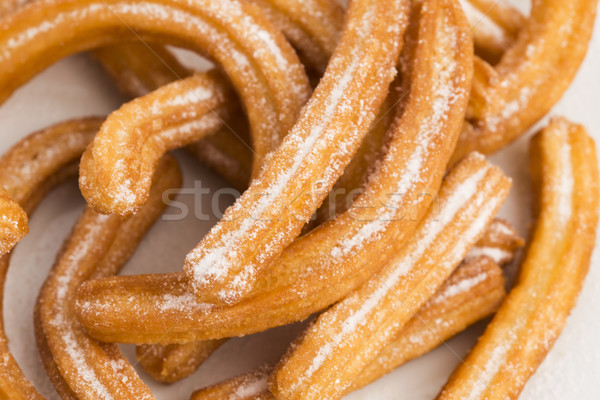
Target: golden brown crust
x=173, y=362
x=565, y=169
x=333, y=351
x=532, y=74
x=224, y=267
x=13, y=222
x=100, y=245
x=28, y=171
x=472, y=292
x=315, y=271
x=120, y=162
x=494, y=25
x=218, y=28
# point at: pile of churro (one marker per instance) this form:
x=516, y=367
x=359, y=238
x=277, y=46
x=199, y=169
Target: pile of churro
x=394, y=103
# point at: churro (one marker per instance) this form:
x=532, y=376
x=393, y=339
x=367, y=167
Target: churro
x=169, y=363
x=28, y=171
x=565, y=171
x=100, y=245
x=346, y=338
x=173, y=362
x=319, y=268
x=532, y=74
x=494, y=25
x=121, y=160
x=295, y=179
x=472, y=292
x=261, y=64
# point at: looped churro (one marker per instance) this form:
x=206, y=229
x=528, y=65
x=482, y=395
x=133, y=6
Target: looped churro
x=28, y=171
x=262, y=66
x=311, y=27
x=319, y=268
x=532, y=74
x=99, y=246
x=565, y=170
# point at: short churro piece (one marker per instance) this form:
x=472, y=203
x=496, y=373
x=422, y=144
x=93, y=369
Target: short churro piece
x=565, y=170
x=130, y=142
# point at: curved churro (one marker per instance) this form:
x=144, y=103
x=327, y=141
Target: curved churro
x=263, y=67
x=319, y=268
x=311, y=27
x=532, y=74
x=565, y=170
x=133, y=138
x=100, y=245
x=28, y=171
x=472, y=292
x=346, y=338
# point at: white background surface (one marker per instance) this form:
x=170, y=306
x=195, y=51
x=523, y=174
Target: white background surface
x=77, y=87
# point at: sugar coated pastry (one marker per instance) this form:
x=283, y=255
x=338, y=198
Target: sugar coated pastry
x=28, y=171
x=319, y=268
x=13, y=222
x=472, y=292
x=78, y=366
x=531, y=76
x=565, y=171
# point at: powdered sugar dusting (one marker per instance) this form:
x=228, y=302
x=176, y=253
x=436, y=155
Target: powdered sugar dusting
x=446, y=94
x=305, y=145
x=73, y=347
x=463, y=286
x=495, y=361
x=498, y=255
x=251, y=387
x=392, y=273
x=565, y=184
x=484, y=25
